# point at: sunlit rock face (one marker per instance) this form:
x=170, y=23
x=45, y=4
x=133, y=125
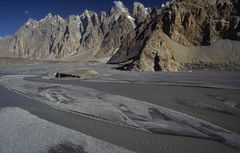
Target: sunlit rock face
x=201, y=22
x=115, y=26
x=175, y=37
x=53, y=37
x=169, y=38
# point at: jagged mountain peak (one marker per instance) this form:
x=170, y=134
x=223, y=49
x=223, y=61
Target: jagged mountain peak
x=138, y=6
x=119, y=6
x=31, y=23
x=140, y=13
x=47, y=17
x=89, y=13
x=183, y=23
x=52, y=18
x=117, y=11
x=143, y=37
x=73, y=18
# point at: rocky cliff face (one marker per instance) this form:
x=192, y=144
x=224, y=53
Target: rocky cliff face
x=86, y=36
x=194, y=22
x=182, y=34
x=117, y=24
x=187, y=24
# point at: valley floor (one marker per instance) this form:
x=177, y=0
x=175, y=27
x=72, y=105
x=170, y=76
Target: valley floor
x=138, y=111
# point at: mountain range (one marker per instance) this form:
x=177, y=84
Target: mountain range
x=179, y=35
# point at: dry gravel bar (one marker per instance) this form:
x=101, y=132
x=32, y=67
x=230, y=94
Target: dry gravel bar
x=22, y=132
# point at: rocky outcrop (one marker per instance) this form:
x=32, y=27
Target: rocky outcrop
x=135, y=41
x=116, y=25
x=187, y=24
x=140, y=13
x=194, y=22
x=77, y=73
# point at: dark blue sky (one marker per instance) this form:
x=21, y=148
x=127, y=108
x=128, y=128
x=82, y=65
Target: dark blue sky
x=14, y=13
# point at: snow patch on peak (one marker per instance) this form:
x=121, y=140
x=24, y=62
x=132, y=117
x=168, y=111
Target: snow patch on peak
x=41, y=20
x=60, y=18
x=168, y=3
x=31, y=23
x=49, y=14
x=103, y=13
x=51, y=17
x=119, y=5
x=132, y=20
x=46, y=17
x=85, y=14
x=28, y=23
x=137, y=4
x=140, y=6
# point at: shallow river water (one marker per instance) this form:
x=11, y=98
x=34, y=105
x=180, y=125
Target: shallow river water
x=134, y=140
